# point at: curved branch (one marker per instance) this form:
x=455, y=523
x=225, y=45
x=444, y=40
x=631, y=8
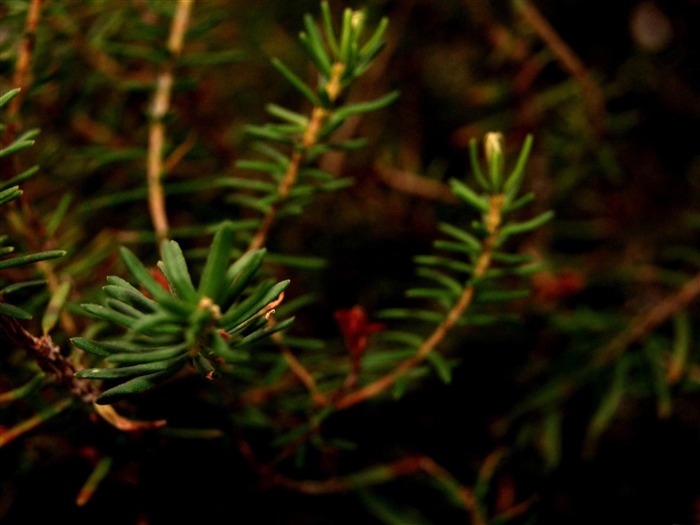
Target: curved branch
x=493, y=222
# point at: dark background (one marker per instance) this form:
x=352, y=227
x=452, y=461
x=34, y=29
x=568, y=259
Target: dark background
x=622, y=178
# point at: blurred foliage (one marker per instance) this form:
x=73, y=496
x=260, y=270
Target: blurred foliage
x=575, y=401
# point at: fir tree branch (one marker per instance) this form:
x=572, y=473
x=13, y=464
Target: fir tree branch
x=644, y=323
x=25, y=219
x=640, y=327
x=319, y=115
x=156, y=133
x=492, y=222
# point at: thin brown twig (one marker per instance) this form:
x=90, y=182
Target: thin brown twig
x=368, y=477
x=386, y=473
x=288, y=180
x=371, y=476
x=179, y=153
x=638, y=328
x=413, y=184
x=9, y=435
x=303, y=375
x=464, y=494
x=156, y=134
x=648, y=321
x=498, y=35
x=493, y=222
x=318, y=116
x=21, y=76
x=290, y=448
x=570, y=62
x=96, y=132
x=94, y=56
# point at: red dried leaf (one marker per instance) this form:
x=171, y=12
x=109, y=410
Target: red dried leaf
x=355, y=327
x=550, y=287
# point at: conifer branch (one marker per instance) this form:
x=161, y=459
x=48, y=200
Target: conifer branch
x=492, y=222
x=639, y=328
x=319, y=115
x=644, y=323
x=26, y=220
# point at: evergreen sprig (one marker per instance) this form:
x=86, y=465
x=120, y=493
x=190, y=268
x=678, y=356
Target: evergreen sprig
x=169, y=322
x=468, y=266
x=287, y=177
x=9, y=191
